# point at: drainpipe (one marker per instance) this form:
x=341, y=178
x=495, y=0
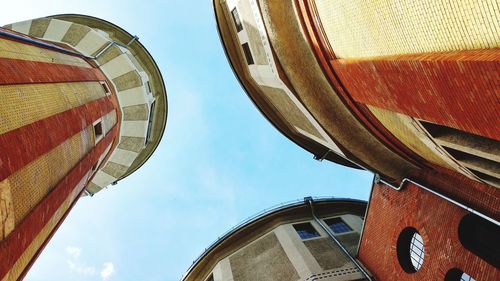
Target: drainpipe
x=133, y=39
x=105, y=49
x=88, y=193
x=378, y=179
x=321, y=158
x=332, y=236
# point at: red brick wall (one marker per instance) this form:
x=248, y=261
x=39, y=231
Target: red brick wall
x=23, y=145
x=12, y=247
x=479, y=196
x=13, y=71
x=436, y=220
x=459, y=89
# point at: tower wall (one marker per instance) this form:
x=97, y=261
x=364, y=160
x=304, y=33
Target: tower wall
x=59, y=121
x=419, y=75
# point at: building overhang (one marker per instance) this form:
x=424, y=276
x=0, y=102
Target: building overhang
x=320, y=151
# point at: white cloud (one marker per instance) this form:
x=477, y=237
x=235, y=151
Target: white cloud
x=73, y=252
x=81, y=268
x=75, y=264
x=107, y=271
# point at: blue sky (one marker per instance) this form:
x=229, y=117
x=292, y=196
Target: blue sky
x=219, y=162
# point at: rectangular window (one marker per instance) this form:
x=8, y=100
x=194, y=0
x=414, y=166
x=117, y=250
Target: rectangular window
x=248, y=53
x=105, y=88
x=236, y=19
x=306, y=230
x=337, y=225
x=98, y=131
x=150, y=122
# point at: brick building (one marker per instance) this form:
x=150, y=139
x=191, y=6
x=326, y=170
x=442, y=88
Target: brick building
x=83, y=105
x=408, y=90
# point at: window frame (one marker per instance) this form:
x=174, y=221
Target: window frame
x=98, y=137
x=404, y=250
x=319, y=235
x=237, y=19
x=149, y=131
x=105, y=87
x=248, y=53
x=343, y=221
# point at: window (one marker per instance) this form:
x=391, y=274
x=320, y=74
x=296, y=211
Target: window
x=480, y=237
x=248, y=53
x=105, y=88
x=466, y=277
x=148, y=86
x=410, y=250
x=236, y=19
x=417, y=251
x=210, y=278
x=150, y=122
x=98, y=132
x=306, y=230
x=456, y=274
x=337, y=225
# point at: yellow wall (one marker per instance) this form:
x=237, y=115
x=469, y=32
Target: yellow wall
x=33, y=182
x=25, y=104
x=15, y=50
x=360, y=28
x=28, y=254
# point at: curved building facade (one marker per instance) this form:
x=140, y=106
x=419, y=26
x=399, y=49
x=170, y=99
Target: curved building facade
x=290, y=242
x=406, y=90
x=83, y=106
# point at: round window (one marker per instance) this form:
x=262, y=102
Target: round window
x=456, y=274
x=410, y=250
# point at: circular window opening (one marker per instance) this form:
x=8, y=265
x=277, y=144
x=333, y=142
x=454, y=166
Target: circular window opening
x=410, y=250
x=453, y=274
x=456, y=274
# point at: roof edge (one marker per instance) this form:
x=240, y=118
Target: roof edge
x=263, y=215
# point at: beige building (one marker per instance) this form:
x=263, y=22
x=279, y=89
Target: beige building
x=295, y=241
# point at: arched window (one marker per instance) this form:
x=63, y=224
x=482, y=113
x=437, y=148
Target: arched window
x=481, y=238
